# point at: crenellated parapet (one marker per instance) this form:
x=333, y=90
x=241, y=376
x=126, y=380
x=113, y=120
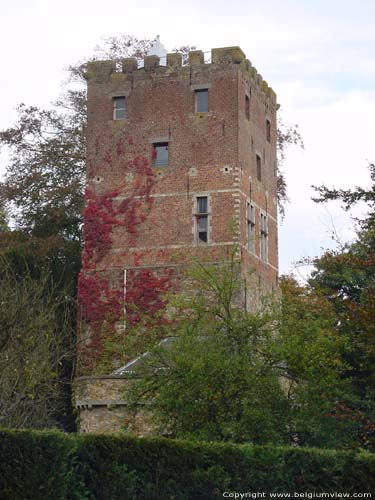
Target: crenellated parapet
x=103, y=71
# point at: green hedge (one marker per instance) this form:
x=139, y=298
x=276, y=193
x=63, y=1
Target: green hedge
x=34, y=465
x=53, y=466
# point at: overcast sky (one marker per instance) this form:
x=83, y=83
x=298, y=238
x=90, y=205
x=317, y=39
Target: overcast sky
x=318, y=55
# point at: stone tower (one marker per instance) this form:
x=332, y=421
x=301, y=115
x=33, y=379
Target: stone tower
x=181, y=165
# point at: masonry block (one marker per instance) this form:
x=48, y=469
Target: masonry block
x=174, y=59
x=151, y=63
x=227, y=54
x=196, y=57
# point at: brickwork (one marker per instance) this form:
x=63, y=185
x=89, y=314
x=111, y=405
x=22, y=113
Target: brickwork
x=141, y=217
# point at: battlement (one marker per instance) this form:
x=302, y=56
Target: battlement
x=224, y=57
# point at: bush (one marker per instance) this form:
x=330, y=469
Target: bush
x=35, y=465
x=53, y=466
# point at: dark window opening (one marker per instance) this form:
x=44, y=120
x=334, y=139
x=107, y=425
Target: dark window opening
x=160, y=154
x=247, y=107
x=268, y=130
x=119, y=108
x=263, y=237
x=259, y=168
x=202, y=219
x=201, y=101
x=250, y=227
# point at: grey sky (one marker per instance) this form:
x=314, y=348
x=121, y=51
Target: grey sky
x=317, y=55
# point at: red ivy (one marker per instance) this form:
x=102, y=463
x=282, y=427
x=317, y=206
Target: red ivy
x=146, y=295
x=100, y=214
x=102, y=307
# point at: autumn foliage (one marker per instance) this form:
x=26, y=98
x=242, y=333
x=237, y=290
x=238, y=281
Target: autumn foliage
x=103, y=301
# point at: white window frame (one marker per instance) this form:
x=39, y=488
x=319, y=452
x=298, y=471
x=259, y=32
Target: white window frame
x=117, y=110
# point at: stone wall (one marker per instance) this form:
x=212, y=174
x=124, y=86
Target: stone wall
x=103, y=409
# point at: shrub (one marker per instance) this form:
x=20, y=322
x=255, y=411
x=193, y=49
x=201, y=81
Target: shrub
x=53, y=466
x=35, y=465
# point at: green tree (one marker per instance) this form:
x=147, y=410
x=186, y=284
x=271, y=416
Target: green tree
x=312, y=348
x=3, y=219
x=346, y=277
x=34, y=328
x=218, y=378
x=274, y=376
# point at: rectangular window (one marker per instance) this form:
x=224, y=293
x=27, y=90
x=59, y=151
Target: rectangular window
x=201, y=101
x=250, y=216
x=268, y=130
x=202, y=219
x=119, y=108
x=259, y=167
x=263, y=237
x=247, y=107
x=160, y=154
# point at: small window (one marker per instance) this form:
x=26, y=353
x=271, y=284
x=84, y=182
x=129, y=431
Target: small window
x=202, y=219
x=268, y=130
x=250, y=215
x=160, y=154
x=119, y=108
x=247, y=107
x=263, y=237
x=201, y=101
x=259, y=167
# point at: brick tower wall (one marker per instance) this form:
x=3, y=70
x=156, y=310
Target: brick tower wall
x=143, y=218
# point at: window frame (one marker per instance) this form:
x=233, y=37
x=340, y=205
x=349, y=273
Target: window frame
x=258, y=160
x=115, y=110
x=247, y=107
x=196, y=93
x=202, y=215
x=268, y=130
x=250, y=224
x=155, y=146
x=263, y=229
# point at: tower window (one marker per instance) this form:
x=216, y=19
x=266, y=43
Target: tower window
x=247, y=107
x=160, y=154
x=259, y=167
x=119, y=108
x=202, y=219
x=250, y=216
x=263, y=237
x=268, y=131
x=201, y=101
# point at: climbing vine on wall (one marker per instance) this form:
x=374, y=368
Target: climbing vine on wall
x=104, y=305
x=104, y=212
x=101, y=308
x=147, y=292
